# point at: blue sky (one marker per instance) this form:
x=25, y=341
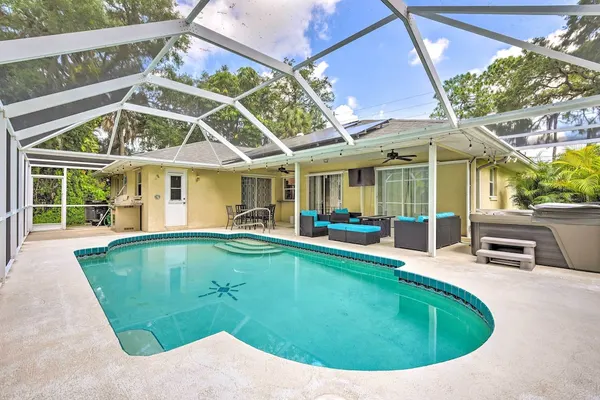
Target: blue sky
x=374, y=76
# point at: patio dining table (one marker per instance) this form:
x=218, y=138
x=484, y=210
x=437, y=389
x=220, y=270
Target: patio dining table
x=383, y=221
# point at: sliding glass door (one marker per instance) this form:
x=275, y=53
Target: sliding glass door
x=256, y=192
x=325, y=192
x=402, y=191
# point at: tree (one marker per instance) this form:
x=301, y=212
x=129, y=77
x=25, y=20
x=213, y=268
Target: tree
x=578, y=171
x=283, y=106
x=530, y=80
x=469, y=95
x=536, y=187
x=573, y=177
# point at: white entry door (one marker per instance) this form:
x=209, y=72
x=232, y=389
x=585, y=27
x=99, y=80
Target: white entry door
x=175, y=198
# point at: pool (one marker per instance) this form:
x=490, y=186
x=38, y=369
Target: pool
x=301, y=305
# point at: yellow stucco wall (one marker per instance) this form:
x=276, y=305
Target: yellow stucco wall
x=452, y=191
x=208, y=192
x=503, y=190
x=153, y=209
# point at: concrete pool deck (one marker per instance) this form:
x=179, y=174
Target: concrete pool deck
x=55, y=341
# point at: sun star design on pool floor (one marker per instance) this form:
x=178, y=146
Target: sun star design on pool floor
x=223, y=290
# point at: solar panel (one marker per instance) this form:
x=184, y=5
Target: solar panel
x=331, y=133
x=355, y=130
x=314, y=139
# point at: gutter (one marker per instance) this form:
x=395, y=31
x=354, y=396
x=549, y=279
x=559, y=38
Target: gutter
x=512, y=151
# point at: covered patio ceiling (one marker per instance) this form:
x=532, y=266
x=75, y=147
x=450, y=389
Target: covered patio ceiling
x=33, y=121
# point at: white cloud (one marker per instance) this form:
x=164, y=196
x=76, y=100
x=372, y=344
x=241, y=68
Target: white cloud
x=512, y=51
x=267, y=74
x=435, y=49
x=553, y=38
x=352, y=102
x=319, y=71
x=345, y=112
x=278, y=28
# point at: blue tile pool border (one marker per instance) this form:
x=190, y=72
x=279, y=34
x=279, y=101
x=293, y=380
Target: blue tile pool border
x=100, y=251
x=445, y=289
x=430, y=284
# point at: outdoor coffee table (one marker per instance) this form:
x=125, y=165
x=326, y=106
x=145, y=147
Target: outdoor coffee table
x=383, y=221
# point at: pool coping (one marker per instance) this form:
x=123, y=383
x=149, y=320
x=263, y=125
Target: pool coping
x=443, y=288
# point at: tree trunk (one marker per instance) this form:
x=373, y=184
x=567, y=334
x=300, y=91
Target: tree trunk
x=122, y=143
x=554, y=123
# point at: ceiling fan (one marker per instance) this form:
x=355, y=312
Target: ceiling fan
x=283, y=170
x=392, y=155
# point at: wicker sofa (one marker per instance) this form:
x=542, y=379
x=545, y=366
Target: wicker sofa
x=343, y=216
x=311, y=227
x=413, y=235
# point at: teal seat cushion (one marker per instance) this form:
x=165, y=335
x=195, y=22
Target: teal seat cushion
x=354, y=220
x=444, y=215
x=341, y=211
x=310, y=213
x=422, y=218
x=321, y=224
x=354, y=228
x=406, y=219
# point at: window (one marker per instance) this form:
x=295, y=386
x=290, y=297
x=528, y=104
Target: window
x=118, y=185
x=175, y=188
x=256, y=192
x=138, y=183
x=403, y=191
x=493, y=179
x=289, y=189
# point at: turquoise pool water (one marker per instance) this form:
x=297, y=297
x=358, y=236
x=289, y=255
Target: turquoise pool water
x=314, y=309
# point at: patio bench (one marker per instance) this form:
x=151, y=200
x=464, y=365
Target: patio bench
x=494, y=249
x=356, y=234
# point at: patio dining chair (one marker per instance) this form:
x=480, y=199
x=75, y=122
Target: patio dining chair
x=271, y=208
x=240, y=208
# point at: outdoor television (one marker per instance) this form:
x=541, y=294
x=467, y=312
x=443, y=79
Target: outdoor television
x=362, y=176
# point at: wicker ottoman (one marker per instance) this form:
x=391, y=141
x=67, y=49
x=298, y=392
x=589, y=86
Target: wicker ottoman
x=356, y=234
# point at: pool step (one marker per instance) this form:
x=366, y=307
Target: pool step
x=247, y=246
x=249, y=252
x=139, y=342
x=250, y=242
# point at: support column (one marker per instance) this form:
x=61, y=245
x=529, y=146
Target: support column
x=362, y=200
x=21, y=197
x=297, y=199
x=3, y=237
x=432, y=224
x=468, y=172
x=14, y=190
x=29, y=201
x=63, y=201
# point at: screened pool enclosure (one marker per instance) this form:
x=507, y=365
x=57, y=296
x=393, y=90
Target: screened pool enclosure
x=104, y=72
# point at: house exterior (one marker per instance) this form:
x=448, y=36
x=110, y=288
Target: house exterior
x=172, y=197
